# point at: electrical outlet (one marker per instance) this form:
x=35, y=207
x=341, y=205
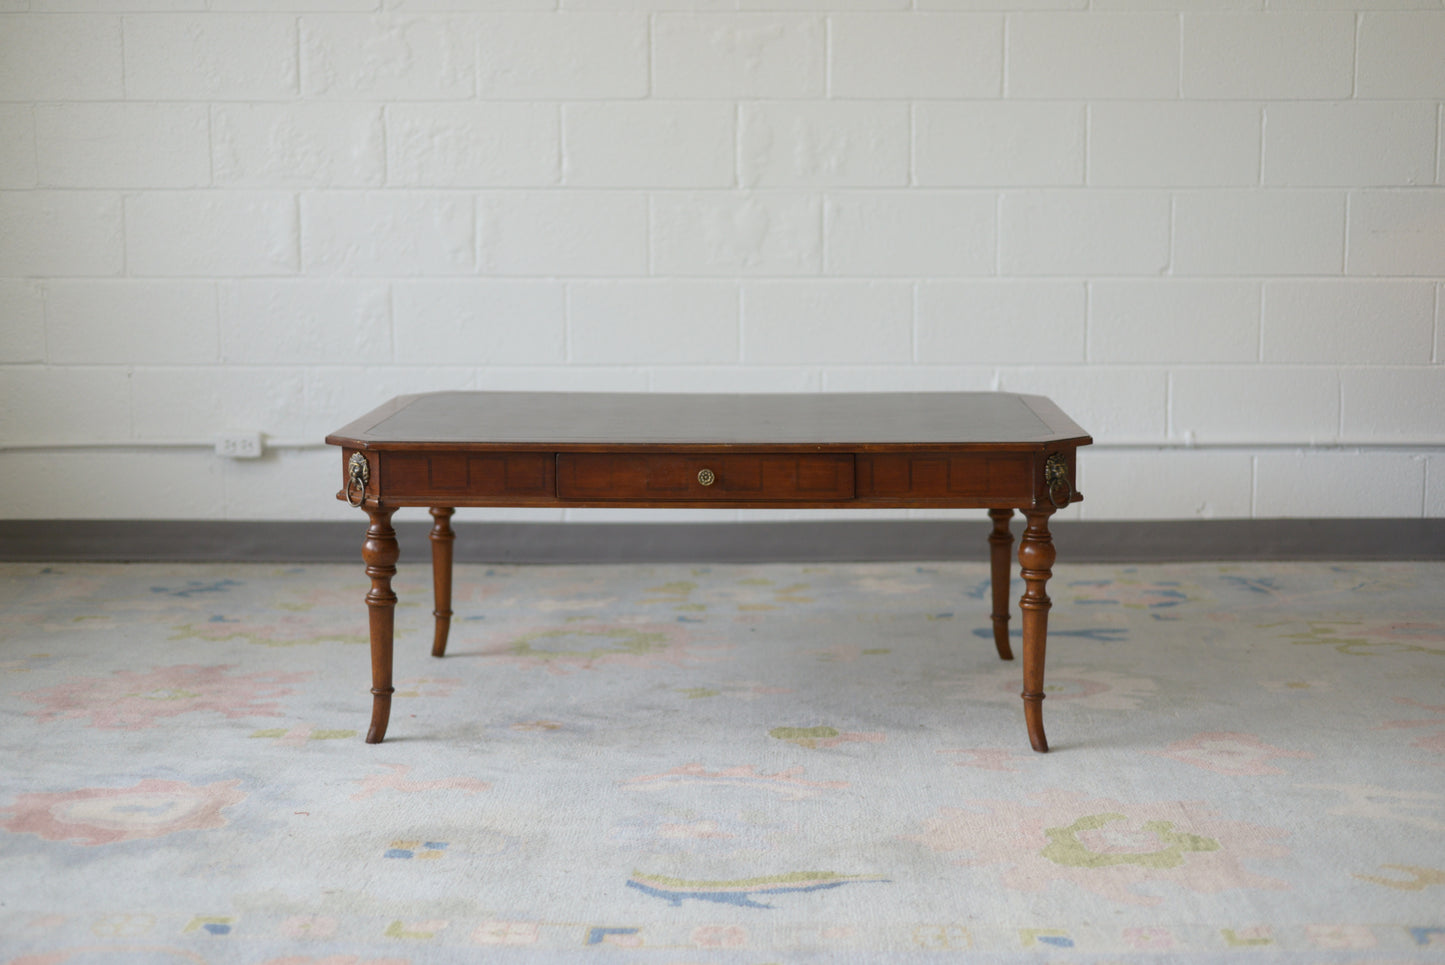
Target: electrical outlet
x=239, y=445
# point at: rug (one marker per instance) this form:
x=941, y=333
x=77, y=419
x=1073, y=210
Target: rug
x=687, y=765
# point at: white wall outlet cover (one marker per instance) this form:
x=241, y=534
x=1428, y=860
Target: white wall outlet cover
x=239, y=445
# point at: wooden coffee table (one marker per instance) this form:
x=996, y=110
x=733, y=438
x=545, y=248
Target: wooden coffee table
x=981, y=450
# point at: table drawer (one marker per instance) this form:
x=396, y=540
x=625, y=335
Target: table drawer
x=944, y=475
x=723, y=477
x=448, y=477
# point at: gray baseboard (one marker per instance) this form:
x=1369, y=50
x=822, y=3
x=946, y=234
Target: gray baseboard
x=827, y=541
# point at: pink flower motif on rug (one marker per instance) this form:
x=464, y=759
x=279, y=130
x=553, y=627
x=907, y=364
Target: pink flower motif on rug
x=334, y=960
x=788, y=784
x=396, y=780
x=133, y=700
x=89, y=954
x=719, y=936
x=986, y=758
x=1434, y=743
x=1341, y=936
x=105, y=815
x=586, y=646
x=1149, y=939
x=1105, y=846
x=1237, y=755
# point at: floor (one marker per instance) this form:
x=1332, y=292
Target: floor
x=722, y=764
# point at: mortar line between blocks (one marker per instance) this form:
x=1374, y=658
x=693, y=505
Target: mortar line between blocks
x=998, y=234
x=1179, y=76
x=1259, y=322
x=913, y=144
x=738, y=145
x=296, y=26
x=1355, y=56
x=1169, y=403
x=211, y=146
x=1339, y=404
x=828, y=56
x=1345, y=233
x=1173, y=231
x=1440, y=144
x=1262, y=123
x=1003, y=59
x=1439, y=317
x=651, y=31
x=125, y=232
x=124, y=94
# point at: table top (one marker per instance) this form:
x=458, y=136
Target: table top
x=522, y=420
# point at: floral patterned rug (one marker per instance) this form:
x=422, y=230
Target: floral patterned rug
x=721, y=764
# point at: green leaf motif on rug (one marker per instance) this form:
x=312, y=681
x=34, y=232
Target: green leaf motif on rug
x=623, y=641
x=763, y=881
x=1065, y=848
x=1361, y=639
x=265, y=635
x=697, y=693
x=675, y=592
x=803, y=735
x=167, y=693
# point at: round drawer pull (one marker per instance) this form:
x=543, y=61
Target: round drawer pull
x=706, y=476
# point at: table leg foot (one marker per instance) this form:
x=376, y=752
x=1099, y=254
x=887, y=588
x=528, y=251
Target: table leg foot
x=1036, y=561
x=1001, y=542
x=442, y=538
x=380, y=551
x=1034, y=720
x=380, y=716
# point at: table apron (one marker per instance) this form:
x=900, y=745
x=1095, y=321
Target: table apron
x=764, y=479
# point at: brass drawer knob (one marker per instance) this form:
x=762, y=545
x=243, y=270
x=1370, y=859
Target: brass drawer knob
x=706, y=476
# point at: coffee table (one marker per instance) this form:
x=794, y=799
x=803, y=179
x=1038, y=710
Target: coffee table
x=982, y=450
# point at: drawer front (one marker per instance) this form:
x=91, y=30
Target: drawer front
x=458, y=475
x=735, y=476
x=943, y=475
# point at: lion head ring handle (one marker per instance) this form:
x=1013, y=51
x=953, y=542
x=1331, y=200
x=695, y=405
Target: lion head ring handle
x=1056, y=481
x=358, y=474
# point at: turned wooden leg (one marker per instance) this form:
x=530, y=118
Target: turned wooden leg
x=380, y=553
x=1001, y=542
x=1036, y=559
x=442, y=539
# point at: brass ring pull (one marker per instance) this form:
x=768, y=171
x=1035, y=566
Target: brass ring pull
x=358, y=474
x=1056, y=479
x=706, y=477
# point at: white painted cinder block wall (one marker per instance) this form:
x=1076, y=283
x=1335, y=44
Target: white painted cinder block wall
x=1212, y=230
